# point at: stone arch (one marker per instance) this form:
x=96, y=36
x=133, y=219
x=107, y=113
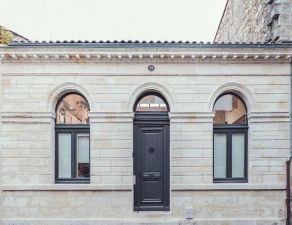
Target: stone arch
x=148, y=87
x=243, y=92
x=58, y=92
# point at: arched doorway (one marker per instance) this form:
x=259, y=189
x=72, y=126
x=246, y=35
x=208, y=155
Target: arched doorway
x=151, y=153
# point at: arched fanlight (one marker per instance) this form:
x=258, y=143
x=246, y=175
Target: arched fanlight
x=151, y=102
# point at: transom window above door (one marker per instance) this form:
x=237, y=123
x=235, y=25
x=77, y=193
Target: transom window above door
x=151, y=103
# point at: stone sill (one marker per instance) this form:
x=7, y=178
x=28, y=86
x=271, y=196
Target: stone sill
x=66, y=187
x=227, y=186
x=127, y=187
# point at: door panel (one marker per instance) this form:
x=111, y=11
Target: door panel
x=151, y=166
x=151, y=159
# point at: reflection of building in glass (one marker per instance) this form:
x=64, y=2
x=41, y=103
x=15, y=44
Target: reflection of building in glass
x=229, y=110
x=73, y=109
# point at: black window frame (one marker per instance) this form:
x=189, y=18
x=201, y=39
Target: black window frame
x=230, y=129
x=73, y=129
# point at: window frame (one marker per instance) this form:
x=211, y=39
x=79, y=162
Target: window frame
x=74, y=130
x=230, y=129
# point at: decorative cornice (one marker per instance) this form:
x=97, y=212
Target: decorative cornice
x=171, y=56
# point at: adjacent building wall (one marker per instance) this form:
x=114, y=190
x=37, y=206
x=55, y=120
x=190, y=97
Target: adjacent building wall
x=256, y=21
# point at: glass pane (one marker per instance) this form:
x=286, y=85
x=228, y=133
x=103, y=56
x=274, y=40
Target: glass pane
x=238, y=155
x=151, y=103
x=72, y=109
x=229, y=109
x=83, y=155
x=64, y=151
x=220, y=149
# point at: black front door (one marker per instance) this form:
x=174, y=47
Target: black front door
x=151, y=162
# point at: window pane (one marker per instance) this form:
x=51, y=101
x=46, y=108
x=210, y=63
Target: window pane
x=220, y=149
x=64, y=151
x=229, y=109
x=238, y=155
x=151, y=103
x=83, y=155
x=72, y=109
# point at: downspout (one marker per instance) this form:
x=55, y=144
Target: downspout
x=288, y=192
x=288, y=163
x=2, y=56
x=290, y=108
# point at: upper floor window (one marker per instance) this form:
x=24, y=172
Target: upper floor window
x=72, y=139
x=230, y=139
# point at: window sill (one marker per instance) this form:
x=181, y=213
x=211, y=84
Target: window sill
x=227, y=186
x=72, y=181
x=230, y=181
x=66, y=187
x=129, y=187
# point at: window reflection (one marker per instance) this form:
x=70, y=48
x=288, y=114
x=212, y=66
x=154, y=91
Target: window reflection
x=151, y=103
x=72, y=109
x=83, y=155
x=229, y=109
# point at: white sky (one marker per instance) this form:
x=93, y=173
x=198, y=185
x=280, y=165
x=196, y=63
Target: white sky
x=194, y=20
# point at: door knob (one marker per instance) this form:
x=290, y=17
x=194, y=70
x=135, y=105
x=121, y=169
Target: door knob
x=151, y=149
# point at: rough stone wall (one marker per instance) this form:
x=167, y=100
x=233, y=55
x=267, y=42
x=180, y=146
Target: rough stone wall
x=256, y=21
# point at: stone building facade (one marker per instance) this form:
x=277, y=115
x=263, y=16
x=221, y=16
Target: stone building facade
x=255, y=21
x=112, y=79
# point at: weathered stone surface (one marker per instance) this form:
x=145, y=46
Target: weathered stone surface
x=256, y=21
x=31, y=197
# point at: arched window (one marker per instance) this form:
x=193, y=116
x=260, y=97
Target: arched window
x=72, y=139
x=230, y=139
x=151, y=102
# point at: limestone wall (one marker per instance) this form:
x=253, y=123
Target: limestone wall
x=256, y=21
x=27, y=151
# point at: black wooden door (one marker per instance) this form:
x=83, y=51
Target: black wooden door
x=151, y=163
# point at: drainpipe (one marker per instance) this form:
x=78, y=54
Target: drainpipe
x=288, y=163
x=288, y=192
x=290, y=107
x=1, y=65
